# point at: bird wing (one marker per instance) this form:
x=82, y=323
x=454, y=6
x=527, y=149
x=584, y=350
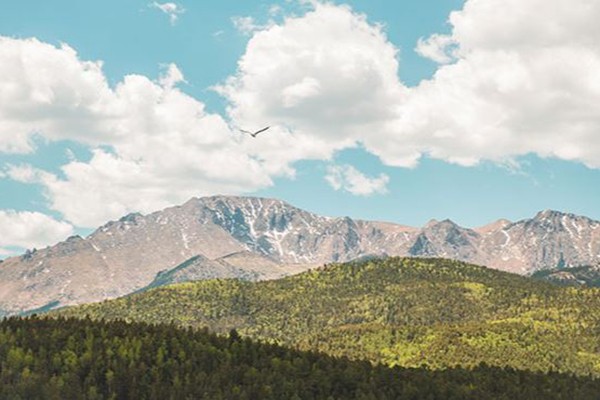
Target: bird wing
x=259, y=131
x=245, y=131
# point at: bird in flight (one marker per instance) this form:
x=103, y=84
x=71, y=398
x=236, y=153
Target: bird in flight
x=253, y=134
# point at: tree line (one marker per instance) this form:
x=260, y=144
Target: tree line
x=68, y=358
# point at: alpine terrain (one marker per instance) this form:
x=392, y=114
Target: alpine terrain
x=258, y=239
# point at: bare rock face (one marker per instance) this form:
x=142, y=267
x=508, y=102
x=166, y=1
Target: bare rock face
x=256, y=238
x=445, y=239
x=550, y=239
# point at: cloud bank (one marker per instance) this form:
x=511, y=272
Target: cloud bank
x=515, y=77
x=27, y=229
x=152, y=145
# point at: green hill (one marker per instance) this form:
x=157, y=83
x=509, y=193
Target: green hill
x=60, y=359
x=406, y=312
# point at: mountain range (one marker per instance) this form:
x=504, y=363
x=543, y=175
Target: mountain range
x=260, y=239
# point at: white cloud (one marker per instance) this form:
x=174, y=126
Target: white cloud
x=47, y=89
x=301, y=91
x=329, y=77
x=27, y=229
x=172, y=77
x=26, y=174
x=173, y=10
x=248, y=25
x=522, y=77
x=525, y=81
x=437, y=48
x=346, y=177
x=152, y=145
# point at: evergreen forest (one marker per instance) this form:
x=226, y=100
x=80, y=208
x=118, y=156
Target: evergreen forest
x=66, y=358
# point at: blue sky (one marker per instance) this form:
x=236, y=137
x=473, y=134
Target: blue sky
x=381, y=110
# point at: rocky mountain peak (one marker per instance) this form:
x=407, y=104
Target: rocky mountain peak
x=493, y=227
x=550, y=217
x=232, y=202
x=271, y=238
x=558, y=217
x=131, y=218
x=441, y=225
x=450, y=233
x=556, y=221
x=548, y=214
x=431, y=222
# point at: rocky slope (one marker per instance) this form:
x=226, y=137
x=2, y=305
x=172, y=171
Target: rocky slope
x=550, y=239
x=585, y=275
x=256, y=238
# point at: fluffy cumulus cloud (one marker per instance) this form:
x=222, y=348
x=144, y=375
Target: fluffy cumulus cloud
x=27, y=229
x=517, y=77
x=524, y=80
x=346, y=177
x=327, y=79
x=153, y=145
x=173, y=10
x=47, y=90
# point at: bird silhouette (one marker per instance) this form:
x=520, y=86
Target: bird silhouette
x=253, y=134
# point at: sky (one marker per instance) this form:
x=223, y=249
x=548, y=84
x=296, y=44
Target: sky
x=401, y=111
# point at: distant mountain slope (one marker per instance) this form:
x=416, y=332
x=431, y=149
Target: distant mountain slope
x=406, y=312
x=587, y=275
x=267, y=239
x=550, y=239
x=198, y=268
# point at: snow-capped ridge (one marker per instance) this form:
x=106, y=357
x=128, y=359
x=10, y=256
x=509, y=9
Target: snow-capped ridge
x=262, y=238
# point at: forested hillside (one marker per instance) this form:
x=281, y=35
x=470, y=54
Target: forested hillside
x=82, y=359
x=397, y=311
